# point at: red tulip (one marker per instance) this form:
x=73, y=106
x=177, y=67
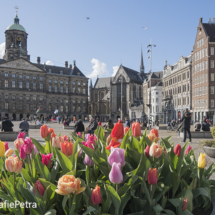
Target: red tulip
x=114, y=143
x=147, y=151
x=53, y=135
x=177, y=150
x=188, y=149
x=100, y=123
x=136, y=129
x=154, y=131
x=152, y=176
x=39, y=187
x=118, y=131
x=51, y=130
x=46, y=159
x=96, y=197
x=184, y=205
x=44, y=131
x=6, y=146
x=126, y=130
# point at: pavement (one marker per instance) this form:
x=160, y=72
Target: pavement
x=58, y=129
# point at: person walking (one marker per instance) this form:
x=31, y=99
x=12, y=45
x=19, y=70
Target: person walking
x=127, y=122
x=74, y=119
x=79, y=126
x=24, y=126
x=186, y=124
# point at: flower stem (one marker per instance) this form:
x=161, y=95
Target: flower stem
x=151, y=199
x=29, y=164
x=14, y=178
x=70, y=203
x=117, y=188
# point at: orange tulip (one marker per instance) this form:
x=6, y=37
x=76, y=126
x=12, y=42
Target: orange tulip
x=50, y=130
x=18, y=142
x=154, y=131
x=152, y=137
x=126, y=130
x=53, y=135
x=13, y=164
x=108, y=140
x=152, y=176
x=118, y=131
x=136, y=129
x=9, y=152
x=114, y=143
x=66, y=148
x=96, y=197
x=69, y=184
x=44, y=131
x=63, y=138
x=155, y=150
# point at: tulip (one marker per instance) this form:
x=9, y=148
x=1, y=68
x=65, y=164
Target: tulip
x=114, y=143
x=126, y=130
x=188, y=149
x=88, y=161
x=66, y=148
x=3, y=187
x=46, y=159
x=86, y=137
x=177, y=150
x=96, y=197
x=18, y=142
x=153, y=138
x=35, y=149
x=22, y=153
x=147, y=151
x=202, y=161
x=69, y=184
x=63, y=138
x=136, y=129
x=184, y=205
x=79, y=134
x=88, y=144
x=56, y=142
x=115, y=174
x=39, y=187
x=50, y=130
x=53, y=135
x=108, y=140
x=2, y=149
x=91, y=139
x=100, y=123
x=44, y=131
x=152, y=176
x=117, y=155
x=9, y=153
x=28, y=145
x=117, y=131
x=13, y=164
x=21, y=135
x=6, y=146
x=155, y=150
x=154, y=131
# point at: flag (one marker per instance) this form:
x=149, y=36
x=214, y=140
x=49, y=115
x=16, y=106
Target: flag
x=38, y=110
x=56, y=111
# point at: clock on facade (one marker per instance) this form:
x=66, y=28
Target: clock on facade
x=19, y=38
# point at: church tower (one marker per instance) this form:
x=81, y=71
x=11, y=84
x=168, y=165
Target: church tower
x=16, y=41
x=142, y=69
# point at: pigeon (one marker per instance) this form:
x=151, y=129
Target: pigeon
x=144, y=28
x=88, y=17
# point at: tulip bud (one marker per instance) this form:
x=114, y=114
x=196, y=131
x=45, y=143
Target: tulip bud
x=9, y=153
x=96, y=197
x=67, y=148
x=117, y=155
x=22, y=153
x=21, y=135
x=100, y=123
x=46, y=159
x=126, y=130
x=39, y=187
x=44, y=131
x=53, y=135
x=184, y=205
x=147, y=151
x=50, y=130
x=6, y=146
x=79, y=134
x=136, y=129
x=18, y=142
x=154, y=131
x=28, y=145
x=88, y=161
x=117, y=131
x=155, y=150
x=2, y=149
x=202, y=161
x=115, y=174
x=188, y=149
x=153, y=138
x=177, y=150
x=152, y=176
x=108, y=140
x=13, y=164
x=56, y=142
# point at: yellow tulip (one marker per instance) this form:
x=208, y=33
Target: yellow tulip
x=202, y=161
x=2, y=149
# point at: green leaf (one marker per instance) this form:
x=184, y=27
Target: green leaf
x=40, y=148
x=169, y=212
x=65, y=199
x=25, y=175
x=54, y=171
x=124, y=200
x=72, y=157
x=48, y=147
x=189, y=196
x=46, y=184
x=201, y=191
x=64, y=161
x=148, y=142
x=125, y=141
x=158, y=208
x=175, y=202
x=51, y=212
x=89, y=210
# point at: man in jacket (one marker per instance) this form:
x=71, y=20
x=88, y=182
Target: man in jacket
x=6, y=125
x=24, y=126
x=186, y=124
x=79, y=126
x=93, y=126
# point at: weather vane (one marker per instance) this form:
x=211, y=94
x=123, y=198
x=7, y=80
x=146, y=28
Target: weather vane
x=16, y=9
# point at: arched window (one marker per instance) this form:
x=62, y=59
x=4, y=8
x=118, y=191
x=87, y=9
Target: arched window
x=90, y=110
x=102, y=95
x=96, y=97
x=103, y=110
x=134, y=92
x=140, y=92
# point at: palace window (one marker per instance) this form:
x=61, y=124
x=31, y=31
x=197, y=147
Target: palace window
x=73, y=89
x=67, y=82
x=61, y=108
x=34, y=86
x=55, y=89
x=61, y=82
x=212, y=76
x=50, y=88
x=20, y=76
x=212, y=63
x=13, y=84
x=212, y=89
x=6, y=106
x=27, y=85
x=79, y=83
x=67, y=109
x=61, y=89
x=13, y=75
x=212, y=103
x=41, y=98
x=55, y=81
x=67, y=89
x=41, y=86
x=41, y=78
x=34, y=98
x=13, y=97
x=84, y=84
x=6, y=74
x=84, y=91
x=212, y=50
x=34, y=77
x=20, y=84
x=27, y=76
x=27, y=98
x=50, y=81
x=73, y=83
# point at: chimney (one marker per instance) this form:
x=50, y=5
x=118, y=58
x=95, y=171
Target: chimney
x=166, y=63
x=66, y=64
x=38, y=60
x=70, y=66
x=200, y=20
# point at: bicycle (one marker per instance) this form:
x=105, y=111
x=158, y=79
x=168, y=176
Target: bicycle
x=171, y=128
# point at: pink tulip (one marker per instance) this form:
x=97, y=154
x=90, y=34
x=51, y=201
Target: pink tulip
x=147, y=151
x=21, y=135
x=39, y=187
x=6, y=146
x=28, y=145
x=188, y=149
x=46, y=159
x=22, y=153
x=88, y=161
x=79, y=134
x=86, y=137
x=115, y=174
x=117, y=155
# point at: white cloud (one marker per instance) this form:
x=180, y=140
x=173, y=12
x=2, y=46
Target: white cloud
x=2, y=50
x=99, y=69
x=48, y=62
x=115, y=69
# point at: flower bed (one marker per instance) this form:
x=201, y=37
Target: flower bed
x=124, y=173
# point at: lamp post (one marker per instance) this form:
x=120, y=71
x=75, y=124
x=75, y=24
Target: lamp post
x=150, y=73
x=121, y=97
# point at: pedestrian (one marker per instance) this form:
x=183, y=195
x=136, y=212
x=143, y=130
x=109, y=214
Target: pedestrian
x=186, y=124
x=79, y=126
x=127, y=122
x=24, y=126
x=74, y=119
x=6, y=124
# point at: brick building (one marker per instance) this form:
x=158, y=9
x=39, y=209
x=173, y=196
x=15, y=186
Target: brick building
x=26, y=86
x=203, y=72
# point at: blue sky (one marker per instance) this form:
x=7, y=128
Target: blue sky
x=59, y=31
